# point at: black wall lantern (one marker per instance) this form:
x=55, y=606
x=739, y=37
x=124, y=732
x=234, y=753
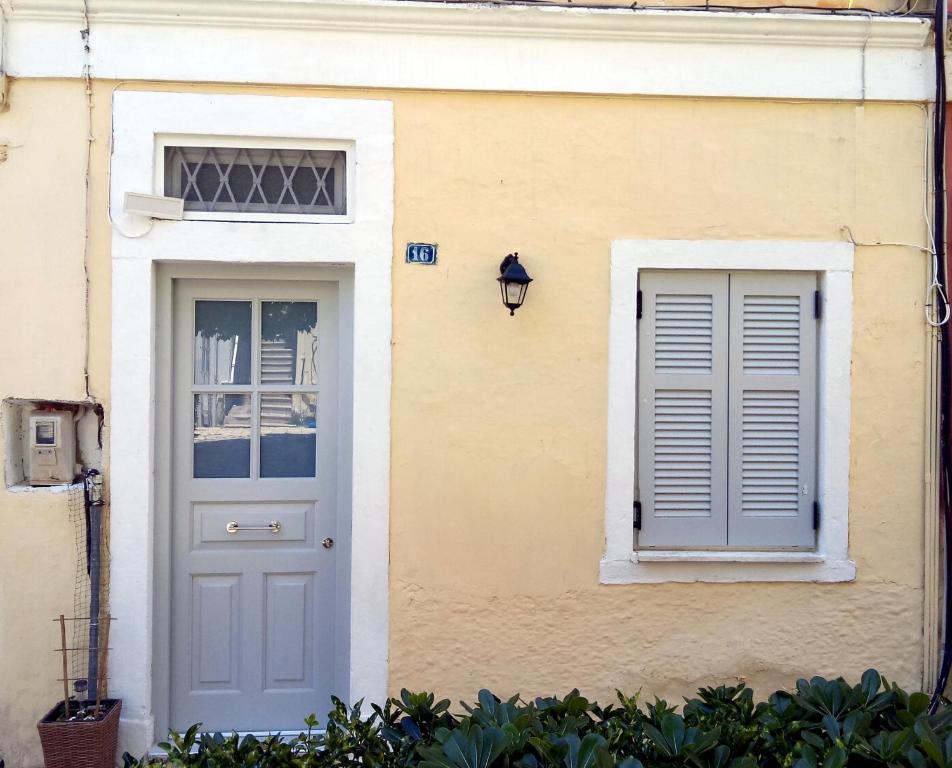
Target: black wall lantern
x=513, y=282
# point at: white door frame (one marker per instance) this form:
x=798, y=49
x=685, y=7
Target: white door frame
x=362, y=244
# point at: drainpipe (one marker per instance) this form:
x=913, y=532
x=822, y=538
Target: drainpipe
x=94, y=503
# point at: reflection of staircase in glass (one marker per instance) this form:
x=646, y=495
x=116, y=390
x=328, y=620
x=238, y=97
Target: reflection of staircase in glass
x=277, y=367
x=238, y=416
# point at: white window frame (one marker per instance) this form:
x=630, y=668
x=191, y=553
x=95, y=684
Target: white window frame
x=259, y=142
x=829, y=562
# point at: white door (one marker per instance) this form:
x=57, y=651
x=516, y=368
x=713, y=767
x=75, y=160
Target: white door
x=254, y=463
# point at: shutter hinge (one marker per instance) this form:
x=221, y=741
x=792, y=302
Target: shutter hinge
x=637, y=508
x=816, y=515
x=638, y=311
x=817, y=305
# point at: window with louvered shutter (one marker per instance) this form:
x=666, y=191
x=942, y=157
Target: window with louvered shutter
x=682, y=409
x=726, y=410
x=772, y=420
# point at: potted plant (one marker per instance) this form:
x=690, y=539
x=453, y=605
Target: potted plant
x=87, y=738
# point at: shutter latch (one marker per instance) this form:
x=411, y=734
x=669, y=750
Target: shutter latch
x=816, y=515
x=637, y=507
x=817, y=305
x=638, y=310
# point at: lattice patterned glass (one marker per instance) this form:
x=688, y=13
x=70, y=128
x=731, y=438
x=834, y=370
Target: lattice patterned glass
x=245, y=180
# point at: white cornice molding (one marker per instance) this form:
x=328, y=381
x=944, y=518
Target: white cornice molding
x=402, y=16
x=469, y=46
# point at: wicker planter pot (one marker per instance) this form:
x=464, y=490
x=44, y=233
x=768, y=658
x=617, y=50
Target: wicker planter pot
x=81, y=744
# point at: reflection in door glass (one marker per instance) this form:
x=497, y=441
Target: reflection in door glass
x=288, y=434
x=221, y=443
x=289, y=342
x=222, y=342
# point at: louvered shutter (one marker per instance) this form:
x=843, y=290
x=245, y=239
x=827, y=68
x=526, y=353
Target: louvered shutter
x=682, y=409
x=772, y=453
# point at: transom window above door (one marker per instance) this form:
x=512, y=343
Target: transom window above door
x=261, y=180
x=255, y=389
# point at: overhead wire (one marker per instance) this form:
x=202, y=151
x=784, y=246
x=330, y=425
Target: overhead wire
x=705, y=7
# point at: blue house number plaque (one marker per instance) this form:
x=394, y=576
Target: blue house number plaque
x=421, y=253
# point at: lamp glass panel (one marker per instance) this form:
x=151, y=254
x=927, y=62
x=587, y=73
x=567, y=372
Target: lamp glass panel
x=515, y=293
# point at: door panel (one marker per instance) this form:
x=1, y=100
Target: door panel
x=289, y=650
x=253, y=596
x=211, y=523
x=215, y=601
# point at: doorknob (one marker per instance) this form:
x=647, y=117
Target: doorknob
x=327, y=543
x=274, y=526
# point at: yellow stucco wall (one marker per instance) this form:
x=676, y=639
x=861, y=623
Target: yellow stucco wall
x=877, y=6
x=41, y=249
x=497, y=519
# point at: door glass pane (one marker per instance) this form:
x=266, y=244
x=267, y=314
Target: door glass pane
x=288, y=434
x=221, y=442
x=289, y=342
x=222, y=350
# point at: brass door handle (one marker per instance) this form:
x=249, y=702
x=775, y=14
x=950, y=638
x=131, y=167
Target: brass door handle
x=274, y=526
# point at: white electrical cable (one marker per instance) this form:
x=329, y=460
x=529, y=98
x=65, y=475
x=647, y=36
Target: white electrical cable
x=912, y=9
x=935, y=291
x=853, y=241
x=87, y=199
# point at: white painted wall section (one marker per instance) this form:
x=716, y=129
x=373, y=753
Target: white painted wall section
x=403, y=44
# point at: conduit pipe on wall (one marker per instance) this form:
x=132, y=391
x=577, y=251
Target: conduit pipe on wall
x=939, y=227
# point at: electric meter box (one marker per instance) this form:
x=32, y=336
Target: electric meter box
x=52, y=441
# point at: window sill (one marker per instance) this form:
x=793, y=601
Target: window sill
x=270, y=218
x=659, y=567
x=725, y=556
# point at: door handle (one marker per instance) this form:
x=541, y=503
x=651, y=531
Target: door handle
x=274, y=526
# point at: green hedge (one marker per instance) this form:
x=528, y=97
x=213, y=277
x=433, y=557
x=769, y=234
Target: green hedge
x=823, y=724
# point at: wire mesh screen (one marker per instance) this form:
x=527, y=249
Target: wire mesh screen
x=78, y=632
x=247, y=180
